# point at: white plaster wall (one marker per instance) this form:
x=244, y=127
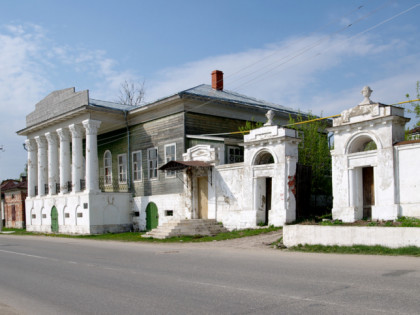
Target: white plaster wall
x=408, y=178
x=346, y=166
x=173, y=202
x=110, y=212
x=393, y=237
x=233, y=197
x=92, y=219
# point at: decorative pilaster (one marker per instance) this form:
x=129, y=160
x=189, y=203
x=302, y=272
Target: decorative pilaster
x=65, y=176
x=32, y=166
x=42, y=164
x=92, y=171
x=77, y=156
x=52, y=162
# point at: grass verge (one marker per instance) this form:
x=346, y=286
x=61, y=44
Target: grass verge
x=358, y=249
x=136, y=236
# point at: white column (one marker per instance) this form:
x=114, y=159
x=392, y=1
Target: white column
x=42, y=164
x=52, y=162
x=32, y=166
x=77, y=156
x=65, y=176
x=92, y=171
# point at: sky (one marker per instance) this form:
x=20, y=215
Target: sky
x=308, y=55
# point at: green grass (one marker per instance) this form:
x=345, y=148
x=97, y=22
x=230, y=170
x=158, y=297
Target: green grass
x=358, y=249
x=136, y=236
x=409, y=222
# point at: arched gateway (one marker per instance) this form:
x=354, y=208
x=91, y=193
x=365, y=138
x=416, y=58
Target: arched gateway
x=363, y=161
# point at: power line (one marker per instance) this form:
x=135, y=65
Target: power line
x=300, y=52
x=309, y=47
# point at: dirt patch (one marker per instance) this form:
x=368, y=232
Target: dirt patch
x=261, y=241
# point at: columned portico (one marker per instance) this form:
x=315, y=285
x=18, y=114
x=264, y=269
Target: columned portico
x=92, y=172
x=77, y=156
x=52, y=162
x=65, y=177
x=42, y=164
x=63, y=190
x=32, y=166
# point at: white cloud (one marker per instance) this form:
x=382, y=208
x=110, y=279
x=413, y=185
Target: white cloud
x=317, y=74
x=31, y=66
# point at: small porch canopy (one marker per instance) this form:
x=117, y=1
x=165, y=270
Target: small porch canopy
x=182, y=165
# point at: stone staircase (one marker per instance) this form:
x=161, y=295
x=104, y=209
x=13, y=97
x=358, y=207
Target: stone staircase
x=187, y=227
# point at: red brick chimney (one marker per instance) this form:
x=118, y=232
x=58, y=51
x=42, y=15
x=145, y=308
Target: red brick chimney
x=217, y=80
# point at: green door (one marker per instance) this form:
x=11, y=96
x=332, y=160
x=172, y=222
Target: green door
x=54, y=220
x=152, y=217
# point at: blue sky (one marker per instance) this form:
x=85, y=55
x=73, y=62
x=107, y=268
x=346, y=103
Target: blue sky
x=301, y=54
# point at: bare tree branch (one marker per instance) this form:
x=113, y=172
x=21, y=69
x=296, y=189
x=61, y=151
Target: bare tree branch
x=131, y=93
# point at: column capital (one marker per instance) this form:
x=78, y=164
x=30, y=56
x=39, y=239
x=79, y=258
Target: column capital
x=76, y=131
x=91, y=126
x=51, y=138
x=63, y=134
x=30, y=145
x=41, y=142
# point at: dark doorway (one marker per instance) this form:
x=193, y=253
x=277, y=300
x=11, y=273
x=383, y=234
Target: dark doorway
x=368, y=192
x=13, y=213
x=303, y=191
x=268, y=194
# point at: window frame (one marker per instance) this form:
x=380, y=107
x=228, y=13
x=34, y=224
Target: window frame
x=170, y=174
x=228, y=154
x=122, y=171
x=139, y=165
x=148, y=164
x=106, y=182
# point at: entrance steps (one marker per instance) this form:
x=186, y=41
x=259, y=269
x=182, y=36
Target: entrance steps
x=209, y=227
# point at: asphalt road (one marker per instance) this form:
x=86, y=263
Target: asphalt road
x=43, y=275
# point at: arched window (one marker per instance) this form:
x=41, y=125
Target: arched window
x=264, y=158
x=362, y=144
x=108, y=167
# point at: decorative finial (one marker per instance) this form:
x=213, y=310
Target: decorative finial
x=270, y=116
x=366, y=92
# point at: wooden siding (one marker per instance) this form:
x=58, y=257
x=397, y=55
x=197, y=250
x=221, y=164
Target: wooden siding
x=156, y=133
x=199, y=124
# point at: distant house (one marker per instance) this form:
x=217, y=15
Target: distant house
x=14, y=193
x=93, y=166
x=414, y=134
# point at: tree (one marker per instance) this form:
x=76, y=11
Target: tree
x=314, y=151
x=131, y=93
x=415, y=105
x=249, y=125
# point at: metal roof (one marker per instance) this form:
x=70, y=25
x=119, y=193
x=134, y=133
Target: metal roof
x=206, y=91
x=181, y=165
x=113, y=105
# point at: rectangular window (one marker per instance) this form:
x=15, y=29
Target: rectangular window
x=13, y=213
x=137, y=169
x=152, y=162
x=170, y=155
x=108, y=167
x=122, y=168
x=235, y=154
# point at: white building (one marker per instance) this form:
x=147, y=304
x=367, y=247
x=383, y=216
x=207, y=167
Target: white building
x=93, y=165
x=63, y=178
x=375, y=172
x=259, y=191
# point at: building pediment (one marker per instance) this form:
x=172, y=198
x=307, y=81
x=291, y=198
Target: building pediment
x=57, y=103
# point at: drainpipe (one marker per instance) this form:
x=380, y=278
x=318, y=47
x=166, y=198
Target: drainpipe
x=128, y=153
